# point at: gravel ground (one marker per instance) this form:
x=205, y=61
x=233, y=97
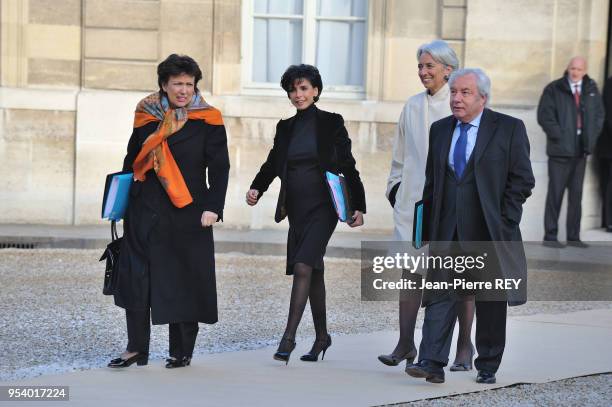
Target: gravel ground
x=592, y=391
x=55, y=318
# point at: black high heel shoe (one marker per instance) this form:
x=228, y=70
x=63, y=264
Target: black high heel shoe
x=313, y=356
x=141, y=359
x=172, y=363
x=392, y=360
x=284, y=356
x=463, y=367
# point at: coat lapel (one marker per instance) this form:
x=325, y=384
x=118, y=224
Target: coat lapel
x=325, y=128
x=285, y=136
x=421, y=125
x=325, y=134
x=486, y=131
x=446, y=145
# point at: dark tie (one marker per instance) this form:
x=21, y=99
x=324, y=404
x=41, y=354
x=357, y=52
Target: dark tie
x=460, y=146
x=577, y=101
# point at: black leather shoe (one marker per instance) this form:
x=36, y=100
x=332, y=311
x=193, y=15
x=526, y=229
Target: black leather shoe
x=485, y=377
x=172, y=363
x=141, y=359
x=553, y=243
x=392, y=360
x=313, y=355
x=428, y=370
x=609, y=229
x=285, y=355
x=577, y=243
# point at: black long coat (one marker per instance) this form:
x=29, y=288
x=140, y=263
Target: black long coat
x=167, y=258
x=504, y=180
x=333, y=151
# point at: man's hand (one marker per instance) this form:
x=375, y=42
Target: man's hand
x=357, y=219
x=208, y=218
x=252, y=197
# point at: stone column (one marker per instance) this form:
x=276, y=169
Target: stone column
x=13, y=61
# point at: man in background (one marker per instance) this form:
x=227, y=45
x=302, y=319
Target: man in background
x=571, y=114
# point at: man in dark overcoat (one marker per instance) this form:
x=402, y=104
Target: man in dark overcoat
x=571, y=114
x=478, y=176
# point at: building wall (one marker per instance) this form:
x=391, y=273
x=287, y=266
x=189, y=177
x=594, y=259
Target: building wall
x=40, y=46
x=71, y=73
x=37, y=153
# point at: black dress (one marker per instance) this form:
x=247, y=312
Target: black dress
x=312, y=218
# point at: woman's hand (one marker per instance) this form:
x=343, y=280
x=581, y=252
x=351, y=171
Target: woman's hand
x=357, y=219
x=252, y=197
x=208, y=218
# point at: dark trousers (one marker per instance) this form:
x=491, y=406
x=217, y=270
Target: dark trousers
x=439, y=323
x=182, y=334
x=564, y=173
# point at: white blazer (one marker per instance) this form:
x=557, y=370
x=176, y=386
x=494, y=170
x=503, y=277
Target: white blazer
x=410, y=155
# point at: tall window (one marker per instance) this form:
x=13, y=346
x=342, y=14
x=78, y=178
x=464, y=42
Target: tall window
x=330, y=34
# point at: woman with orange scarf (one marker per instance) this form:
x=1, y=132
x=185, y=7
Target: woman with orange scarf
x=178, y=153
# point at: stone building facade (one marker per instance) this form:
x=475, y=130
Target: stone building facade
x=71, y=72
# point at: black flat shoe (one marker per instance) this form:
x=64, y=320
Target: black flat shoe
x=141, y=359
x=172, y=363
x=555, y=244
x=577, y=243
x=463, y=367
x=392, y=360
x=313, y=355
x=485, y=377
x=428, y=370
x=285, y=355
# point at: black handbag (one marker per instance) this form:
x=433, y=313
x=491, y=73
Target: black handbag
x=111, y=255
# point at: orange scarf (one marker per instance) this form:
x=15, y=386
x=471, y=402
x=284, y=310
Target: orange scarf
x=155, y=153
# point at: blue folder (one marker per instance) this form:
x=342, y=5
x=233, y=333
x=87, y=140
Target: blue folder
x=417, y=225
x=339, y=194
x=116, y=195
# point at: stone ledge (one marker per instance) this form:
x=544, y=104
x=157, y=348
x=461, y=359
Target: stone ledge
x=253, y=106
x=38, y=99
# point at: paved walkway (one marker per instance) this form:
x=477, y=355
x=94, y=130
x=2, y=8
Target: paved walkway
x=540, y=348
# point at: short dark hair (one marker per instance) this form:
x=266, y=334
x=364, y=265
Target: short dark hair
x=302, y=71
x=176, y=65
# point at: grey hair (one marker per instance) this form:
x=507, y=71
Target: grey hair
x=482, y=81
x=441, y=52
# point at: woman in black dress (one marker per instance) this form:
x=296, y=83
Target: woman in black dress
x=178, y=153
x=305, y=147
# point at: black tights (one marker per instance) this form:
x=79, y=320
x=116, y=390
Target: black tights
x=408, y=309
x=307, y=283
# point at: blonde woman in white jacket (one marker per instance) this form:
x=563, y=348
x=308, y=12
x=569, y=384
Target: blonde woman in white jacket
x=436, y=60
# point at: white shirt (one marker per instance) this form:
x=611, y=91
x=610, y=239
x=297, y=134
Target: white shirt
x=573, y=85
